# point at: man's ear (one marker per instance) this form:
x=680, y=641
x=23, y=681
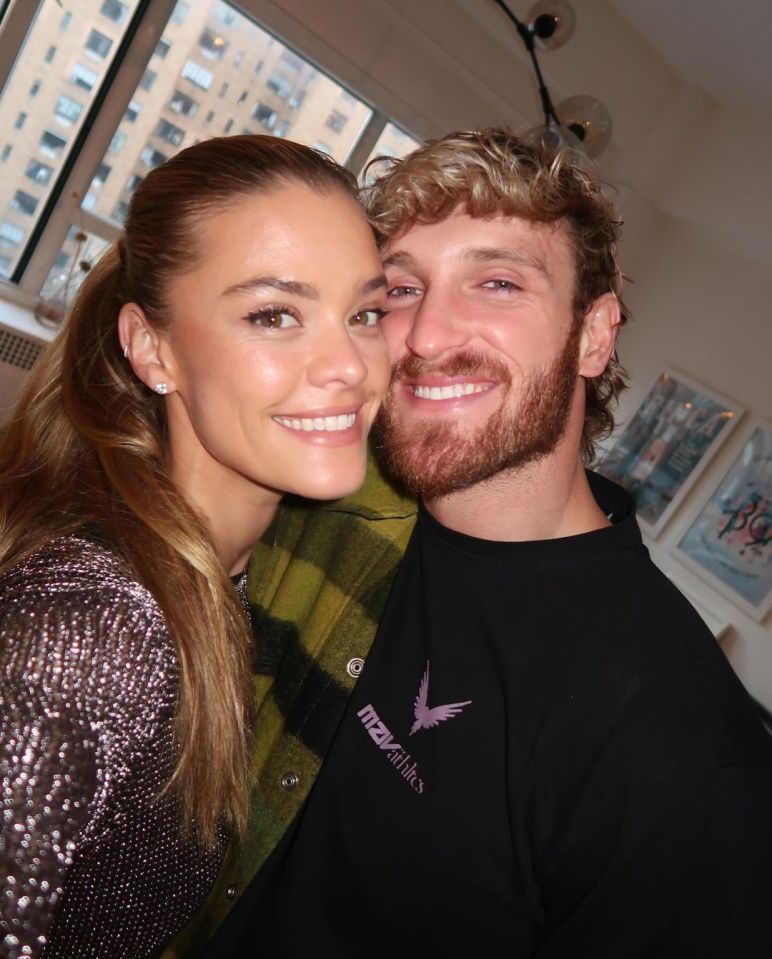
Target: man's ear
x=144, y=349
x=599, y=335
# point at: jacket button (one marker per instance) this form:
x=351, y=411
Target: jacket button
x=289, y=781
x=230, y=892
x=355, y=666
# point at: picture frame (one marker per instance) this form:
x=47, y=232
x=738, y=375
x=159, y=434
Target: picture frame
x=728, y=544
x=666, y=445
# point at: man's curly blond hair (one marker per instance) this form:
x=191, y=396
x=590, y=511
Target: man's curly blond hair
x=492, y=172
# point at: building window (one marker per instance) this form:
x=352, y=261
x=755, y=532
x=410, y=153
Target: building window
x=290, y=60
x=182, y=103
x=228, y=126
x=264, y=115
x=5, y=266
x=20, y=121
x=38, y=172
x=132, y=111
x=67, y=110
x=89, y=201
x=162, y=48
x=51, y=144
x=297, y=99
x=65, y=21
x=133, y=182
x=50, y=54
x=209, y=117
x=336, y=121
x=102, y=173
x=259, y=65
x=242, y=97
x=114, y=10
x=282, y=86
x=117, y=143
x=35, y=88
x=197, y=74
x=212, y=45
x=224, y=13
x=6, y=152
x=223, y=90
x=152, y=158
x=280, y=129
x=169, y=132
x=322, y=147
x=10, y=234
x=83, y=77
x=181, y=10
x=120, y=211
x=238, y=59
x=148, y=79
x=98, y=45
x=24, y=203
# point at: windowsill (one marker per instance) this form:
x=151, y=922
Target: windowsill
x=15, y=316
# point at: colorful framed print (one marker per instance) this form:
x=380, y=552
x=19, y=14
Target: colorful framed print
x=729, y=544
x=670, y=439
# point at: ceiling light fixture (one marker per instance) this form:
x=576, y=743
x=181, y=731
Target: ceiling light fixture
x=585, y=123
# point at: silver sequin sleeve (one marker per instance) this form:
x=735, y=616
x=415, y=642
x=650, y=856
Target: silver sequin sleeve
x=92, y=857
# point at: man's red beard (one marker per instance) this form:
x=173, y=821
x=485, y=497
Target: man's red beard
x=432, y=459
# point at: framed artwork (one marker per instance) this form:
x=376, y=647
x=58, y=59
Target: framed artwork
x=729, y=543
x=669, y=441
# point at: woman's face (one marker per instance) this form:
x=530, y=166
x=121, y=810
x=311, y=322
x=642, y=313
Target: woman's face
x=275, y=358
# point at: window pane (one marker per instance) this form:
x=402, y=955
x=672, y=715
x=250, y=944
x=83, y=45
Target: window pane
x=78, y=254
x=393, y=142
x=61, y=65
x=218, y=73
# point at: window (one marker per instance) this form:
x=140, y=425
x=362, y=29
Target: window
x=280, y=129
x=50, y=54
x=259, y=66
x=67, y=110
x=117, y=143
x=162, y=48
x=152, y=158
x=38, y=172
x=133, y=182
x=51, y=144
x=24, y=203
x=224, y=13
x=120, y=211
x=322, y=147
x=296, y=100
x=281, y=85
x=103, y=172
x=209, y=117
x=5, y=266
x=182, y=103
x=197, y=74
x=20, y=121
x=34, y=89
x=336, y=121
x=132, y=111
x=291, y=61
x=264, y=114
x=114, y=10
x=169, y=132
x=238, y=59
x=6, y=152
x=83, y=77
x=223, y=90
x=65, y=21
x=10, y=234
x=148, y=79
x=98, y=45
x=181, y=10
x=242, y=97
x=89, y=201
x=213, y=46
x=228, y=126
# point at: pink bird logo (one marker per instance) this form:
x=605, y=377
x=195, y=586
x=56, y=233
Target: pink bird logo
x=425, y=717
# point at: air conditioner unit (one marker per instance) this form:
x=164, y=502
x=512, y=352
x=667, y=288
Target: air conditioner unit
x=18, y=354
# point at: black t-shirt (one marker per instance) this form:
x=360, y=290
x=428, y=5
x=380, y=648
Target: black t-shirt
x=546, y=755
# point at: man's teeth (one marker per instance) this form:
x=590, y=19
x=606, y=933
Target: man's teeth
x=329, y=424
x=448, y=392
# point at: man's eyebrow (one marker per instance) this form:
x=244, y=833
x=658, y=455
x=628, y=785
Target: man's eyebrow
x=486, y=254
x=399, y=258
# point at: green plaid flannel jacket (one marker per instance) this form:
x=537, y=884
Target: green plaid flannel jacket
x=318, y=582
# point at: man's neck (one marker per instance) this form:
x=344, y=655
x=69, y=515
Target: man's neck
x=546, y=499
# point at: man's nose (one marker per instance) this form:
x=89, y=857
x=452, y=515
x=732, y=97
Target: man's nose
x=438, y=326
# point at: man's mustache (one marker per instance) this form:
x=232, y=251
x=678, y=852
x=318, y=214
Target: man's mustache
x=468, y=363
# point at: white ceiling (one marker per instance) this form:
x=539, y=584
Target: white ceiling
x=724, y=47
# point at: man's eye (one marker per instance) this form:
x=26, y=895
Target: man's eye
x=272, y=318
x=368, y=317
x=401, y=291
x=504, y=285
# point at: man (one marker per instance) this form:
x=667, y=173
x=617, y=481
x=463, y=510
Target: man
x=546, y=753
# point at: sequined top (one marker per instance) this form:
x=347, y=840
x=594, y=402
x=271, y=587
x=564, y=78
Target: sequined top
x=93, y=862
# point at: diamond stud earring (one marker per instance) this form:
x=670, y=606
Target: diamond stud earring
x=161, y=388
x=126, y=351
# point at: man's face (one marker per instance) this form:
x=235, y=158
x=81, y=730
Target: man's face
x=484, y=345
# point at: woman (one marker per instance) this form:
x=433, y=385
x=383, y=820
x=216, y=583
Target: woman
x=225, y=351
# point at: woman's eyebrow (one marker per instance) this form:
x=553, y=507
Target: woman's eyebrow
x=293, y=287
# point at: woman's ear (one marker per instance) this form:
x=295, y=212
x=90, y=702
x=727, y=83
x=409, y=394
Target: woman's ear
x=143, y=348
x=599, y=335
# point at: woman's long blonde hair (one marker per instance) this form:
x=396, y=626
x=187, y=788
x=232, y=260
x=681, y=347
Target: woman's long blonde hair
x=86, y=447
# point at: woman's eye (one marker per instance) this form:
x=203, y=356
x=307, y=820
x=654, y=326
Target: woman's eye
x=504, y=285
x=271, y=318
x=367, y=317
